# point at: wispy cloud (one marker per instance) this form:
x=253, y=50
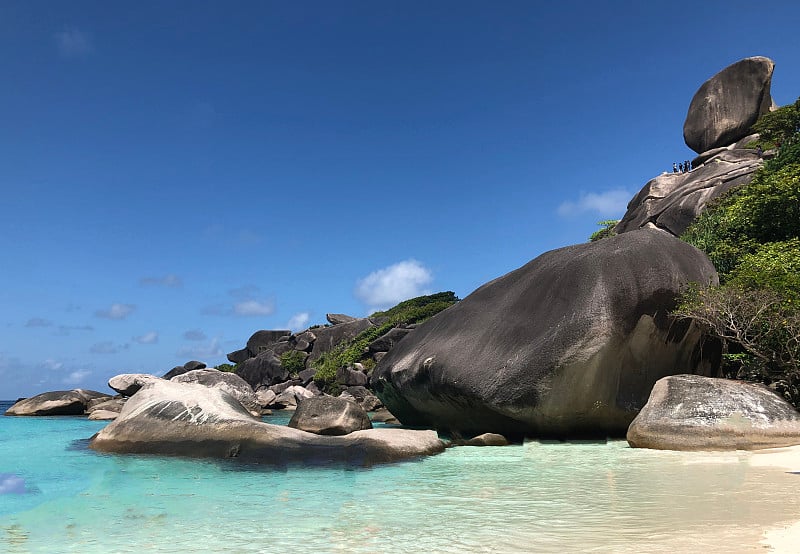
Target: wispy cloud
x=170, y=280
x=611, y=203
x=107, y=347
x=116, y=311
x=38, y=322
x=52, y=365
x=390, y=285
x=148, y=338
x=249, y=303
x=194, y=334
x=298, y=321
x=76, y=377
x=199, y=351
x=254, y=308
x=66, y=330
x=73, y=43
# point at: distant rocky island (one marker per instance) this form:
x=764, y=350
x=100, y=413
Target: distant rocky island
x=600, y=339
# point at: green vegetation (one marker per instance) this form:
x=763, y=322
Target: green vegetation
x=415, y=310
x=606, y=230
x=752, y=236
x=230, y=368
x=293, y=361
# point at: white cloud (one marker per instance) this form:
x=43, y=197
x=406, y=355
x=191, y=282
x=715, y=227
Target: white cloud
x=254, y=307
x=169, y=280
x=194, y=334
x=73, y=43
x=210, y=350
x=148, y=338
x=116, y=311
x=299, y=321
x=611, y=203
x=76, y=377
x=388, y=286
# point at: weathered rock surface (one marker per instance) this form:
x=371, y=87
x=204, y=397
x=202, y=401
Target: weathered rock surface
x=487, y=439
x=568, y=345
x=351, y=378
x=328, y=415
x=229, y=382
x=181, y=369
x=262, y=370
x=184, y=419
x=726, y=106
x=362, y=396
x=109, y=405
x=292, y=396
x=689, y=412
x=103, y=415
x=329, y=337
x=127, y=384
x=64, y=402
x=257, y=343
x=672, y=201
x=338, y=319
x=387, y=341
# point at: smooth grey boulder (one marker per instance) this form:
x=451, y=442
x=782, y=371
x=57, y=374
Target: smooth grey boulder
x=265, y=397
x=108, y=405
x=487, y=439
x=103, y=415
x=89, y=395
x=568, y=345
x=328, y=415
x=128, y=384
x=183, y=419
x=726, y=106
x=350, y=378
x=181, y=369
x=338, y=319
x=292, y=396
x=63, y=402
x=262, y=370
x=229, y=382
x=363, y=396
x=689, y=412
x=387, y=341
x=262, y=340
x=672, y=201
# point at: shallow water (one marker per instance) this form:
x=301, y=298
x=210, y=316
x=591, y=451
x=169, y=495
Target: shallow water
x=58, y=496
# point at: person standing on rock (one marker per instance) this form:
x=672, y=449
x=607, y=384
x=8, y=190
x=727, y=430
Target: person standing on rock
x=680, y=167
x=674, y=167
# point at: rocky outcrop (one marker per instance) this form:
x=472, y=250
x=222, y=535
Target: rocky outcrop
x=328, y=415
x=65, y=402
x=181, y=369
x=182, y=419
x=362, y=396
x=262, y=370
x=726, y=106
x=672, y=201
x=229, y=382
x=338, y=319
x=327, y=338
x=257, y=343
x=568, y=345
x=689, y=412
x=127, y=384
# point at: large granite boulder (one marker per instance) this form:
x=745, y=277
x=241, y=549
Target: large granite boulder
x=257, y=343
x=263, y=370
x=726, y=106
x=181, y=369
x=329, y=415
x=128, y=384
x=672, y=201
x=689, y=412
x=229, y=382
x=183, y=419
x=63, y=402
x=568, y=345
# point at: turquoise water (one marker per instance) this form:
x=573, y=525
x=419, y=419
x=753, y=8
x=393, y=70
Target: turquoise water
x=58, y=496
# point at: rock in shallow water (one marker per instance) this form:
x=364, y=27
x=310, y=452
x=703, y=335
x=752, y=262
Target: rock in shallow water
x=329, y=415
x=67, y=402
x=690, y=412
x=181, y=419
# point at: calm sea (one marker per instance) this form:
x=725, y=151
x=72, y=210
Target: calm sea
x=58, y=496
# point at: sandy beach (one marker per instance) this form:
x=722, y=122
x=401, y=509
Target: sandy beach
x=783, y=539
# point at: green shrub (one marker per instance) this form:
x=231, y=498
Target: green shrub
x=230, y=368
x=606, y=230
x=293, y=361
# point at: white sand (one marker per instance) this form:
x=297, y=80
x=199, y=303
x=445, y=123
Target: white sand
x=783, y=539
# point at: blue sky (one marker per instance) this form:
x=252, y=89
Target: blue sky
x=177, y=175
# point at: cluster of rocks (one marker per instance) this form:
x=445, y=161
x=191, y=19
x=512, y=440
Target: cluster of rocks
x=717, y=127
x=97, y=405
x=262, y=363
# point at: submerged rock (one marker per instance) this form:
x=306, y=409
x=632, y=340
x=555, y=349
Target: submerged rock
x=329, y=415
x=64, y=402
x=568, y=345
x=726, y=106
x=182, y=419
x=690, y=412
